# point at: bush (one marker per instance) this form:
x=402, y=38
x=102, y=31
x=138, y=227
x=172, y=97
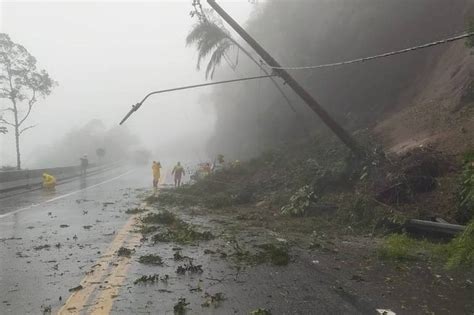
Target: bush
x=461, y=249
x=218, y=200
x=466, y=191
x=301, y=201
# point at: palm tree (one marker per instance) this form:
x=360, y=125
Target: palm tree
x=211, y=38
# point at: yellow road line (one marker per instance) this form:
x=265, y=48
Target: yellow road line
x=104, y=302
x=79, y=299
x=107, y=271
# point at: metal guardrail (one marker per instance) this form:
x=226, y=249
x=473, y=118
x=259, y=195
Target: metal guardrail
x=25, y=179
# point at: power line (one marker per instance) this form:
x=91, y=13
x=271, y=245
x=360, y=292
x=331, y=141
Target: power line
x=388, y=54
x=138, y=105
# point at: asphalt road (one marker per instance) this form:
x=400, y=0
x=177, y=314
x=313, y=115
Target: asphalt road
x=49, y=240
x=53, y=242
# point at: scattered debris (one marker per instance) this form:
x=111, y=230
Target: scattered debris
x=147, y=279
x=213, y=300
x=260, y=311
x=151, y=260
x=124, y=252
x=164, y=217
x=46, y=309
x=178, y=257
x=75, y=289
x=135, y=211
x=45, y=246
x=180, y=307
x=189, y=268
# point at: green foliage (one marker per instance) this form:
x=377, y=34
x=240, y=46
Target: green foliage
x=361, y=212
x=164, y=217
x=466, y=192
x=210, y=38
x=461, y=249
x=180, y=307
x=124, y=252
x=300, y=202
x=218, y=200
x=182, y=233
x=147, y=279
x=400, y=247
x=458, y=253
x=151, y=260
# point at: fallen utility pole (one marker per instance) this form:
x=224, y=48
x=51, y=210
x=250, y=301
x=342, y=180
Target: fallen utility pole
x=342, y=134
x=434, y=227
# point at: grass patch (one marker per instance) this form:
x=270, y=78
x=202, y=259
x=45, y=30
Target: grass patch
x=458, y=253
x=165, y=217
x=178, y=197
x=401, y=247
x=182, y=233
x=461, y=249
x=276, y=254
x=151, y=260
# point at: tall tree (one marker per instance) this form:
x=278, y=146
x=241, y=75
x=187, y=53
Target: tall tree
x=211, y=38
x=21, y=83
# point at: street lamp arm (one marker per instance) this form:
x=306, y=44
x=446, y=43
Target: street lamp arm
x=138, y=105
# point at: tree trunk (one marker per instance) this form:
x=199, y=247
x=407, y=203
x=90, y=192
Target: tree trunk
x=17, y=136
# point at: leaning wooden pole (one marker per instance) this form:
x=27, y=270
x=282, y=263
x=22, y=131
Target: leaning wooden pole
x=342, y=134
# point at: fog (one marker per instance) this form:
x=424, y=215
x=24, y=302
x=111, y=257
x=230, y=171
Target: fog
x=301, y=33
x=105, y=57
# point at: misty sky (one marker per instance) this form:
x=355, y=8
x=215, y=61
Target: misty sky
x=106, y=56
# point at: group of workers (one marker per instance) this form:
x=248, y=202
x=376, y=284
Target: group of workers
x=178, y=173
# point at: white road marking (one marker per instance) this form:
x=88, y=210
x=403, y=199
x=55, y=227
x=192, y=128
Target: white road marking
x=61, y=197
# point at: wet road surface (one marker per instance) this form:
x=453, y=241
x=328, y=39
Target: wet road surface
x=59, y=251
x=48, y=240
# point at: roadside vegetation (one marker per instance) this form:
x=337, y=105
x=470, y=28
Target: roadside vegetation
x=458, y=253
x=318, y=185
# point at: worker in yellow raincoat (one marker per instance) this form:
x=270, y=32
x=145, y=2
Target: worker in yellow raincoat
x=156, y=168
x=49, y=181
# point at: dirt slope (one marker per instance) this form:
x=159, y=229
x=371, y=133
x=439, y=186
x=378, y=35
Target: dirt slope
x=433, y=111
